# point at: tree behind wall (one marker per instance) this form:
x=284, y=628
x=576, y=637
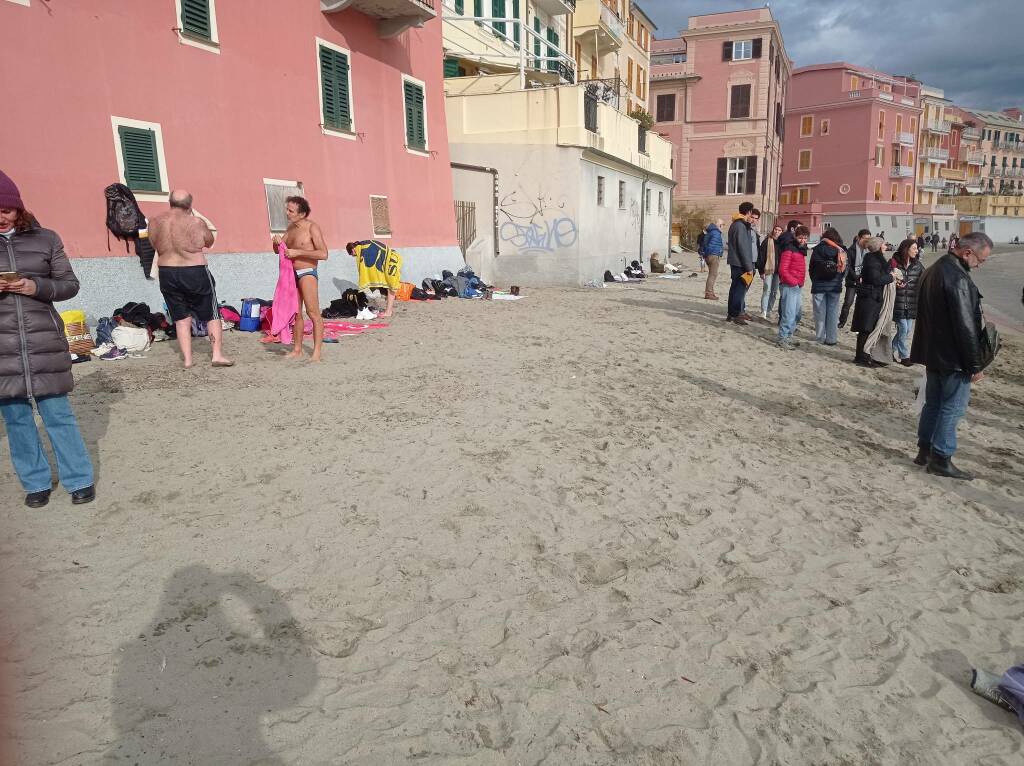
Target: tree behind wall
x=690, y=221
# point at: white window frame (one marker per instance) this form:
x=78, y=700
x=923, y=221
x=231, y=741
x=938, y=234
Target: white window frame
x=601, y=199
x=825, y=127
x=165, y=183
x=426, y=127
x=21, y=2
x=739, y=47
x=350, y=135
x=375, y=234
x=287, y=184
x=214, y=45
x=810, y=160
x=736, y=170
x=622, y=195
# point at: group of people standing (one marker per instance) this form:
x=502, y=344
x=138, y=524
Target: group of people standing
x=886, y=296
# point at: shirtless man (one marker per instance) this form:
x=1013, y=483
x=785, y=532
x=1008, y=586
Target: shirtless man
x=306, y=248
x=179, y=236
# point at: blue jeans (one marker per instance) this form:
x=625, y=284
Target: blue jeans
x=73, y=464
x=946, y=396
x=737, y=292
x=769, y=289
x=826, y=317
x=790, y=310
x=904, y=331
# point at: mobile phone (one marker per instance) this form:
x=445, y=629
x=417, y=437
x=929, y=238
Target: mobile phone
x=9, y=276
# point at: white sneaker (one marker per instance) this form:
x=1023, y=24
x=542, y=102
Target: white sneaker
x=764, y=315
x=365, y=315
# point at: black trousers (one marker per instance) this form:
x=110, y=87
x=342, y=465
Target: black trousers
x=848, y=299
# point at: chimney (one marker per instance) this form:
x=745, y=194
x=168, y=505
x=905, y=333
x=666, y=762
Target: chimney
x=1014, y=114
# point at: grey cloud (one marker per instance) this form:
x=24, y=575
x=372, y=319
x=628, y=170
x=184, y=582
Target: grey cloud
x=973, y=51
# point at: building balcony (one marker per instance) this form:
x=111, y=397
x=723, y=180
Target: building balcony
x=972, y=157
x=951, y=174
x=395, y=16
x=973, y=187
x=901, y=171
x=995, y=172
x=594, y=16
x=1011, y=146
x=567, y=116
x=502, y=51
x=971, y=134
x=939, y=127
x=556, y=7
x=934, y=209
x=902, y=138
x=936, y=154
x=933, y=184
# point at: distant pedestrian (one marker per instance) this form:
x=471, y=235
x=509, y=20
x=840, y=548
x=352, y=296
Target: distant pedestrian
x=908, y=261
x=792, y=273
x=742, y=254
x=187, y=285
x=855, y=258
x=935, y=243
x=876, y=274
x=700, y=247
x=35, y=364
x=920, y=242
x=949, y=342
x=954, y=241
x=768, y=267
x=943, y=243
x=828, y=268
x=713, y=255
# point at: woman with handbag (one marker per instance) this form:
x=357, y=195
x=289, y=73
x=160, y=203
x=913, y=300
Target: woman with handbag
x=907, y=260
x=35, y=364
x=867, y=311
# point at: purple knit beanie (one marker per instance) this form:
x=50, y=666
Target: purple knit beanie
x=10, y=197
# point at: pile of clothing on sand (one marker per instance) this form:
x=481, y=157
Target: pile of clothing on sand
x=632, y=273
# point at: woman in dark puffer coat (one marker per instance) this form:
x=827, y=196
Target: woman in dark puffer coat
x=34, y=360
x=907, y=260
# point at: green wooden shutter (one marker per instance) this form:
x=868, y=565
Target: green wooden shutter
x=515, y=27
x=552, y=49
x=451, y=67
x=334, y=89
x=415, y=120
x=141, y=164
x=195, y=18
x=478, y=8
x=498, y=11
x=460, y=7
x=536, y=42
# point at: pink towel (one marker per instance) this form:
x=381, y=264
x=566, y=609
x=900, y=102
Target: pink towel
x=286, y=298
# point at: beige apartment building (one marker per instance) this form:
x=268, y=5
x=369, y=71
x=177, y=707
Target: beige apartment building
x=613, y=50
x=933, y=135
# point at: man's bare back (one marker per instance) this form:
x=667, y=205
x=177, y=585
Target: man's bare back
x=179, y=238
x=299, y=237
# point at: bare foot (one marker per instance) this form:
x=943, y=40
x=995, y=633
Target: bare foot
x=293, y=355
x=315, y=357
x=188, y=366
x=384, y=316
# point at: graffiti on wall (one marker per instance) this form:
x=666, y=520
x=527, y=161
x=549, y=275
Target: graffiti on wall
x=535, y=224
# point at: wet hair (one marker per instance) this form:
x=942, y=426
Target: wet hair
x=801, y=230
x=300, y=203
x=794, y=224
x=902, y=254
x=746, y=207
x=863, y=233
x=831, y=233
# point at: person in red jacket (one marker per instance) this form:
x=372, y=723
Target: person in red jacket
x=792, y=273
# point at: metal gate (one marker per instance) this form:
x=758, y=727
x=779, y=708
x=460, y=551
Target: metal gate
x=465, y=223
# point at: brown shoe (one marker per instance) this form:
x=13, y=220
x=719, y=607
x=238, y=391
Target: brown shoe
x=746, y=316
x=737, y=320
x=710, y=297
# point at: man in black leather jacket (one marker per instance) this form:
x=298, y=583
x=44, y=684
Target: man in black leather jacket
x=947, y=341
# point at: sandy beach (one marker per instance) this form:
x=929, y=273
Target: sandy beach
x=589, y=527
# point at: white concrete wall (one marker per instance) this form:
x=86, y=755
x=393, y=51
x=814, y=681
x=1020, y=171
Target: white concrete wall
x=476, y=186
x=1001, y=229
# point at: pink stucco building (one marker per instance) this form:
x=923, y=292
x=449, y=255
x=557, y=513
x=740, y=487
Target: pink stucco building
x=242, y=104
x=718, y=93
x=851, y=139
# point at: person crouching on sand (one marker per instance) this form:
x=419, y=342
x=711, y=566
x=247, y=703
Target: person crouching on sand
x=380, y=268
x=306, y=248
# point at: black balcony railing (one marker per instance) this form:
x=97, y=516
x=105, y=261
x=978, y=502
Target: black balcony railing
x=608, y=91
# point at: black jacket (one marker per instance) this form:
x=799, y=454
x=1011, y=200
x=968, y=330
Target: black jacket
x=851, y=263
x=825, y=278
x=947, y=336
x=875, y=275
x=741, y=249
x=906, y=297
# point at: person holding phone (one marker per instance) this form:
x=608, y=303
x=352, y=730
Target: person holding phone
x=35, y=363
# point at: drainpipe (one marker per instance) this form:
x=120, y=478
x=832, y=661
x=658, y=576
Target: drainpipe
x=494, y=176
x=643, y=216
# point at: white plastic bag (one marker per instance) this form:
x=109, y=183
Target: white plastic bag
x=921, y=383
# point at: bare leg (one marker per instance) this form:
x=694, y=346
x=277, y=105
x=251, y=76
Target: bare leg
x=297, y=329
x=309, y=290
x=390, y=308
x=216, y=331
x=183, y=329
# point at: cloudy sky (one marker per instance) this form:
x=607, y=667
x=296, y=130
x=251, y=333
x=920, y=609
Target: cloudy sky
x=918, y=37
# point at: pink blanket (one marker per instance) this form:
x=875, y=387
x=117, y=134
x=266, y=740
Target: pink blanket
x=286, y=298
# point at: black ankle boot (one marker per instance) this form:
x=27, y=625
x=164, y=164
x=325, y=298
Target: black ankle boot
x=923, y=453
x=940, y=465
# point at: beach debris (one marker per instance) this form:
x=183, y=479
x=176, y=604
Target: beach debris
x=687, y=680
x=602, y=708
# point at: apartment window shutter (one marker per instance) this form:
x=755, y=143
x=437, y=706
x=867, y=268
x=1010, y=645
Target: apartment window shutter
x=739, y=101
x=141, y=165
x=751, y=175
x=536, y=43
x=337, y=105
x=415, y=123
x=515, y=27
x=756, y=48
x=195, y=18
x=498, y=11
x=451, y=67
x=723, y=167
x=478, y=8
x=460, y=7
x=727, y=51
x=666, y=107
